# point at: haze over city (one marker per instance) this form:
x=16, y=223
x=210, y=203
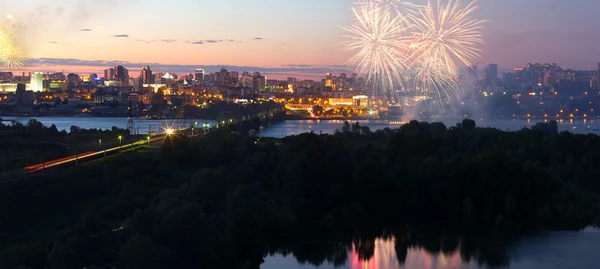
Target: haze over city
x=279, y=38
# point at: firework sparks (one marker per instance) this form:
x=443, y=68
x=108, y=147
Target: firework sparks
x=399, y=7
x=378, y=38
x=11, y=55
x=442, y=34
x=397, y=39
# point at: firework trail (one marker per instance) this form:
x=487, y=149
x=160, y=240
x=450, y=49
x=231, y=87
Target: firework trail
x=11, y=55
x=444, y=33
x=379, y=39
x=399, y=7
x=430, y=41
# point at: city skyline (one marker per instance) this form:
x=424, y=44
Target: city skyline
x=279, y=38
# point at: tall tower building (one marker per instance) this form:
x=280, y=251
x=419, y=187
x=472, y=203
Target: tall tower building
x=199, y=76
x=121, y=73
x=109, y=74
x=36, y=82
x=491, y=74
x=146, y=76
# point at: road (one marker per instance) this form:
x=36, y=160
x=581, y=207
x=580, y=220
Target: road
x=79, y=158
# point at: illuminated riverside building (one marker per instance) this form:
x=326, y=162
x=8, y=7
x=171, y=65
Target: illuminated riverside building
x=36, y=83
x=11, y=87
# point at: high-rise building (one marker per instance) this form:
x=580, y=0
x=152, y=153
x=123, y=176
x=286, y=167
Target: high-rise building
x=121, y=73
x=328, y=80
x=259, y=82
x=223, y=76
x=234, y=76
x=109, y=74
x=491, y=74
x=36, y=83
x=146, y=76
x=199, y=75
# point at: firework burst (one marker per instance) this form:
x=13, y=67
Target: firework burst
x=11, y=55
x=379, y=39
x=399, y=7
x=429, y=42
x=444, y=34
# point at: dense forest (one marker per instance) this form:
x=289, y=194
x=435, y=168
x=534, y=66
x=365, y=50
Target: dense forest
x=227, y=201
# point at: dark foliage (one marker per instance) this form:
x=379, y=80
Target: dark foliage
x=226, y=201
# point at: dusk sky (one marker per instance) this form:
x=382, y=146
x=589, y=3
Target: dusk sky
x=276, y=35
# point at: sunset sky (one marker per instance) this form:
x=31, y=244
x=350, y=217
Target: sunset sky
x=279, y=36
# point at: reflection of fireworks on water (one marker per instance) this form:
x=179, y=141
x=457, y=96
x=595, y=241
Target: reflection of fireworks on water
x=11, y=55
x=385, y=256
x=378, y=36
x=427, y=39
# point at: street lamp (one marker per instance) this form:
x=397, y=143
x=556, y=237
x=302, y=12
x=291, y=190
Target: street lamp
x=100, y=142
x=120, y=139
x=170, y=131
x=148, y=141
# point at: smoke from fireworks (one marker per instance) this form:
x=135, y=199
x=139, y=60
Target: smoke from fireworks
x=433, y=38
x=11, y=55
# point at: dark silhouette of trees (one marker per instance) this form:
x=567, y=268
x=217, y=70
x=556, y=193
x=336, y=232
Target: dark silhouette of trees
x=226, y=201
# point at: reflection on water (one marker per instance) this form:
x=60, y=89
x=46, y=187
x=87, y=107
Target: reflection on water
x=143, y=126
x=395, y=253
x=551, y=250
x=296, y=127
x=384, y=256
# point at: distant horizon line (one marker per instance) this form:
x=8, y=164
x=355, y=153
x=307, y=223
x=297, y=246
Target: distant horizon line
x=299, y=71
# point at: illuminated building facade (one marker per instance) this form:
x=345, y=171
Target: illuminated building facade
x=36, y=83
x=329, y=80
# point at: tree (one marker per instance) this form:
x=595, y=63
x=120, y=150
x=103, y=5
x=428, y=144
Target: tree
x=468, y=125
x=141, y=252
x=346, y=127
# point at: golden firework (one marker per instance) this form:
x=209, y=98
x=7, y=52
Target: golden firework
x=11, y=55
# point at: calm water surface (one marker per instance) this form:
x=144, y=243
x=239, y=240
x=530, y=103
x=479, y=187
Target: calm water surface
x=143, y=125
x=287, y=128
x=284, y=128
x=551, y=250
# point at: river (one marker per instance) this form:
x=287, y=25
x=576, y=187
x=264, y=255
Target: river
x=286, y=128
x=549, y=250
x=143, y=126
